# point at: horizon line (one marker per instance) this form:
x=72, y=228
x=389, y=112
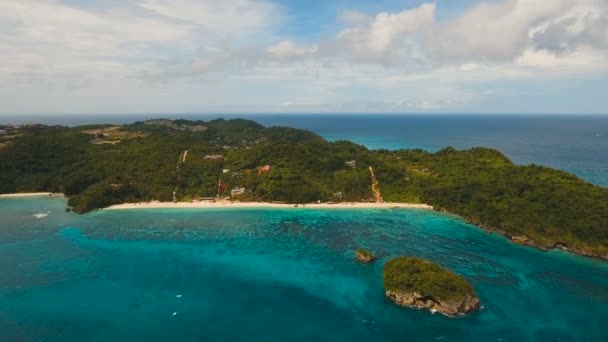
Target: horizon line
x=160, y=114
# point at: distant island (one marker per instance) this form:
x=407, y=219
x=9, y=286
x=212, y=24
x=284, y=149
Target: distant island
x=177, y=161
x=419, y=283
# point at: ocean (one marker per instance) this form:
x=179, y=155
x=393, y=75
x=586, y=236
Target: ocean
x=274, y=275
x=290, y=274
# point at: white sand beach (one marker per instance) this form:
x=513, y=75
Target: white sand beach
x=230, y=204
x=236, y=204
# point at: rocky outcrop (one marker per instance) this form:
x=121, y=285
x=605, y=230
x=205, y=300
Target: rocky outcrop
x=365, y=256
x=524, y=241
x=419, y=283
x=449, y=308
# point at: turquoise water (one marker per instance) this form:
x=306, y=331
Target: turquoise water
x=274, y=275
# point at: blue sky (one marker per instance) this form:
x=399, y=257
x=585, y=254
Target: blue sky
x=284, y=56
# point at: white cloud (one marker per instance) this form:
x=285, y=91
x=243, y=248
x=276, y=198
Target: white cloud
x=180, y=38
x=499, y=40
x=235, y=17
x=582, y=25
x=581, y=59
x=45, y=39
x=385, y=38
x=388, y=28
x=52, y=41
x=496, y=32
x=287, y=49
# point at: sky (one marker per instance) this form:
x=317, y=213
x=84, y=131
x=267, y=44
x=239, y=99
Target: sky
x=303, y=56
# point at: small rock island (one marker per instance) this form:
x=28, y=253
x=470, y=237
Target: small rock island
x=419, y=283
x=365, y=256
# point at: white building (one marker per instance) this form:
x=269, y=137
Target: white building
x=238, y=191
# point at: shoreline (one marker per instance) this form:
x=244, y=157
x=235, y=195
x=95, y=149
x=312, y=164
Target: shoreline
x=245, y=205
x=31, y=194
x=347, y=205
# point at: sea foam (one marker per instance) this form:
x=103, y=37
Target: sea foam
x=41, y=215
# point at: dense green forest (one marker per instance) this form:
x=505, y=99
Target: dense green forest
x=410, y=274
x=100, y=165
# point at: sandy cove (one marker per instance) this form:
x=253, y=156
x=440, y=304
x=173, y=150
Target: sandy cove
x=229, y=204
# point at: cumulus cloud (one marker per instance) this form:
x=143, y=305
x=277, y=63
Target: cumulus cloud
x=585, y=25
x=389, y=38
x=502, y=32
x=287, y=49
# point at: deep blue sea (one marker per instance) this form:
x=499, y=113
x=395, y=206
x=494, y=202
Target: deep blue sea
x=290, y=274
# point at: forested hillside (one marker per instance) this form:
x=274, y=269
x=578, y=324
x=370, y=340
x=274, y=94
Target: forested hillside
x=97, y=166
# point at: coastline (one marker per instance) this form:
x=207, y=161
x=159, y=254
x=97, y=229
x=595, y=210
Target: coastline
x=30, y=194
x=224, y=204
x=518, y=240
x=245, y=205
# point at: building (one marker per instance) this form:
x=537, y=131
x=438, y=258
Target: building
x=352, y=163
x=238, y=191
x=214, y=156
x=197, y=128
x=224, y=171
x=264, y=169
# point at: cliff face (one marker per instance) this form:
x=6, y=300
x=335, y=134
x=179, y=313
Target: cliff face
x=448, y=308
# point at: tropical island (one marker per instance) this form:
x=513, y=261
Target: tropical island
x=419, y=283
x=241, y=161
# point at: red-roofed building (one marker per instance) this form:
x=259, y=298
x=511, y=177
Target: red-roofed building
x=264, y=169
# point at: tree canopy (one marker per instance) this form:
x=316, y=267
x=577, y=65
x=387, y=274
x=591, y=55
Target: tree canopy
x=416, y=275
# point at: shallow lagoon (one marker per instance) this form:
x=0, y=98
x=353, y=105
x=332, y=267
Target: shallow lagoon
x=274, y=275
